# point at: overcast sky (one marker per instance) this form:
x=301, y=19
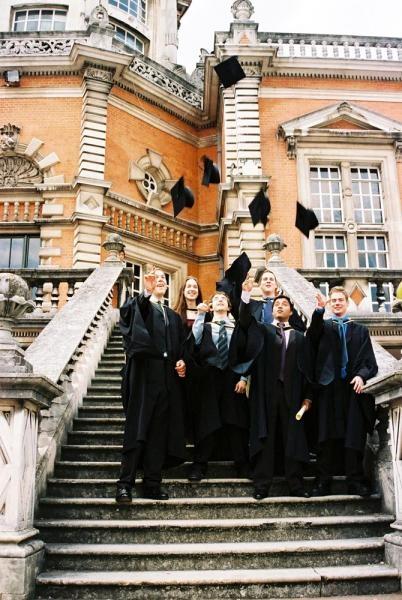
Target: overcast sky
x=359, y=17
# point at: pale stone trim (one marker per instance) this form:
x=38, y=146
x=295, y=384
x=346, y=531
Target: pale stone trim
x=151, y=119
x=322, y=94
x=61, y=92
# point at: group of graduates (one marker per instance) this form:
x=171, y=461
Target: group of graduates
x=260, y=390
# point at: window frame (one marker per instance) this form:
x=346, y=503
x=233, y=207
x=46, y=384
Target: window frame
x=361, y=208
x=39, y=8
x=142, y=12
x=131, y=32
x=25, y=250
x=376, y=252
x=319, y=210
x=326, y=251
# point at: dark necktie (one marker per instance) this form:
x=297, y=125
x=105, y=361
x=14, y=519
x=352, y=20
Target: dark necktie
x=267, y=311
x=342, y=323
x=159, y=306
x=222, y=346
x=282, y=335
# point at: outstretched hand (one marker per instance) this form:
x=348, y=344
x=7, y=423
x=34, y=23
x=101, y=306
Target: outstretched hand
x=358, y=384
x=150, y=280
x=321, y=300
x=202, y=308
x=248, y=283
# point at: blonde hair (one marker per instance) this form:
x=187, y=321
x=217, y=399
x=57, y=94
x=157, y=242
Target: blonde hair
x=340, y=289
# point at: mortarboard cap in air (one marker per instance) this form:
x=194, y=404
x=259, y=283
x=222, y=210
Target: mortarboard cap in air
x=306, y=219
x=182, y=197
x=211, y=172
x=259, y=208
x=229, y=71
x=232, y=281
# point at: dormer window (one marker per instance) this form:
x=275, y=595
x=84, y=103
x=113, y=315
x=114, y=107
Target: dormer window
x=135, y=8
x=40, y=19
x=129, y=38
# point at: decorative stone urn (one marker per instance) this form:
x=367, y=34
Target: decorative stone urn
x=242, y=10
x=14, y=303
x=274, y=245
x=114, y=246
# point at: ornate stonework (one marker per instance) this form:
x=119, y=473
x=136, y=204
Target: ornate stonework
x=242, y=10
x=9, y=137
x=52, y=46
x=17, y=171
x=98, y=74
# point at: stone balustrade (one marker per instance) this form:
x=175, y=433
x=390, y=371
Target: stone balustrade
x=132, y=222
x=14, y=210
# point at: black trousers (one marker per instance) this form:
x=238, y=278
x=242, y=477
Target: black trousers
x=353, y=461
x=151, y=452
x=264, y=462
x=238, y=443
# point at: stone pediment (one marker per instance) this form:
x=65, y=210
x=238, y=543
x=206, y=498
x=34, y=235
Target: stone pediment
x=338, y=120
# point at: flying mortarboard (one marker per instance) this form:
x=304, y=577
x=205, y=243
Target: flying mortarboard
x=211, y=172
x=229, y=71
x=260, y=207
x=235, y=274
x=306, y=219
x=182, y=197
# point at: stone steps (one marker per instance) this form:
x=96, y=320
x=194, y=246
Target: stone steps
x=101, y=424
x=96, y=411
x=119, y=531
x=208, y=584
x=252, y=555
x=207, y=508
x=74, y=482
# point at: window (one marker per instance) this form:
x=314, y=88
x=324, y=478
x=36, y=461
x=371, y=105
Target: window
x=137, y=285
x=129, y=39
x=40, y=19
x=135, y=8
x=372, y=251
x=325, y=188
x=330, y=251
x=387, y=294
x=367, y=195
x=19, y=252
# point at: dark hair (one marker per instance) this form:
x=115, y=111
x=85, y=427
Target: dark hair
x=181, y=303
x=219, y=293
x=285, y=298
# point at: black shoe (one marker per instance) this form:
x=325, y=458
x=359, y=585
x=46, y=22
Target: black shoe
x=197, y=472
x=123, y=495
x=322, y=488
x=358, y=488
x=155, y=493
x=299, y=493
x=260, y=493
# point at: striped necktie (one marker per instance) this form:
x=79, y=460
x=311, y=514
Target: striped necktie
x=222, y=346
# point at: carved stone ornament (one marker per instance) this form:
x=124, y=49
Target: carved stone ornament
x=9, y=137
x=398, y=150
x=274, y=245
x=17, y=171
x=99, y=16
x=98, y=74
x=242, y=10
x=52, y=46
x=291, y=143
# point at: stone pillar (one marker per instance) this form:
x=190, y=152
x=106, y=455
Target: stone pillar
x=22, y=395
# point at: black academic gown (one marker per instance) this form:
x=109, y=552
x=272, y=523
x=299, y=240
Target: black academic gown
x=342, y=414
x=256, y=309
x=149, y=374
x=263, y=349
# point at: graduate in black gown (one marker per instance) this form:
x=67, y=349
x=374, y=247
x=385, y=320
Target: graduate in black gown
x=153, y=338
x=341, y=359
x=278, y=390
x=223, y=410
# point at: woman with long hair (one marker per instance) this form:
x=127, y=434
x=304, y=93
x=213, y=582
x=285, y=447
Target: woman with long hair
x=189, y=297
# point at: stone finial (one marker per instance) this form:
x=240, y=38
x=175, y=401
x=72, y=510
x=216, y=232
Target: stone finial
x=99, y=16
x=14, y=303
x=9, y=137
x=242, y=10
x=274, y=245
x=114, y=246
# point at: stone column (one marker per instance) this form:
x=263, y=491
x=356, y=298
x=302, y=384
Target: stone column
x=22, y=395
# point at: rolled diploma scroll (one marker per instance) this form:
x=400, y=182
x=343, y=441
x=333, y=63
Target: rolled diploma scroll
x=300, y=413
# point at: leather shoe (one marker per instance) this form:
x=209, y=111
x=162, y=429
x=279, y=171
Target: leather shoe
x=196, y=472
x=322, y=488
x=299, y=493
x=123, y=495
x=155, y=493
x=260, y=493
x=358, y=488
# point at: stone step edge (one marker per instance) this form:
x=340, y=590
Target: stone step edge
x=214, y=523
x=191, y=549
x=209, y=501
x=206, y=481
x=218, y=577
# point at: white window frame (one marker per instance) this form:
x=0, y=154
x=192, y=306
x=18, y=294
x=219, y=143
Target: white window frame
x=129, y=32
x=40, y=8
x=319, y=207
x=325, y=251
x=376, y=252
x=371, y=210
x=140, y=14
x=374, y=156
x=389, y=293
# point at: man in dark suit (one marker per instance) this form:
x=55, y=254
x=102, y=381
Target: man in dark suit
x=341, y=359
x=278, y=390
x=151, y=392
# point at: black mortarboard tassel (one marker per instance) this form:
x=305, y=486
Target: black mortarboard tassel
x=306, y=219
x=211, y=172
x=232, y=281
x=229, y=71
x=182, y=197
x=259, y=208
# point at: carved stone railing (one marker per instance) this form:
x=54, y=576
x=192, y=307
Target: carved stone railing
x=37, y=46
x=167, y=81
x=14, y=210
x=128, y=220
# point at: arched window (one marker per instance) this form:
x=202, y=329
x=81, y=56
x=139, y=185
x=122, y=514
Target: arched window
x=135, y=8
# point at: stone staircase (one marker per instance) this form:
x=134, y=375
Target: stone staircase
x=210, y=540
